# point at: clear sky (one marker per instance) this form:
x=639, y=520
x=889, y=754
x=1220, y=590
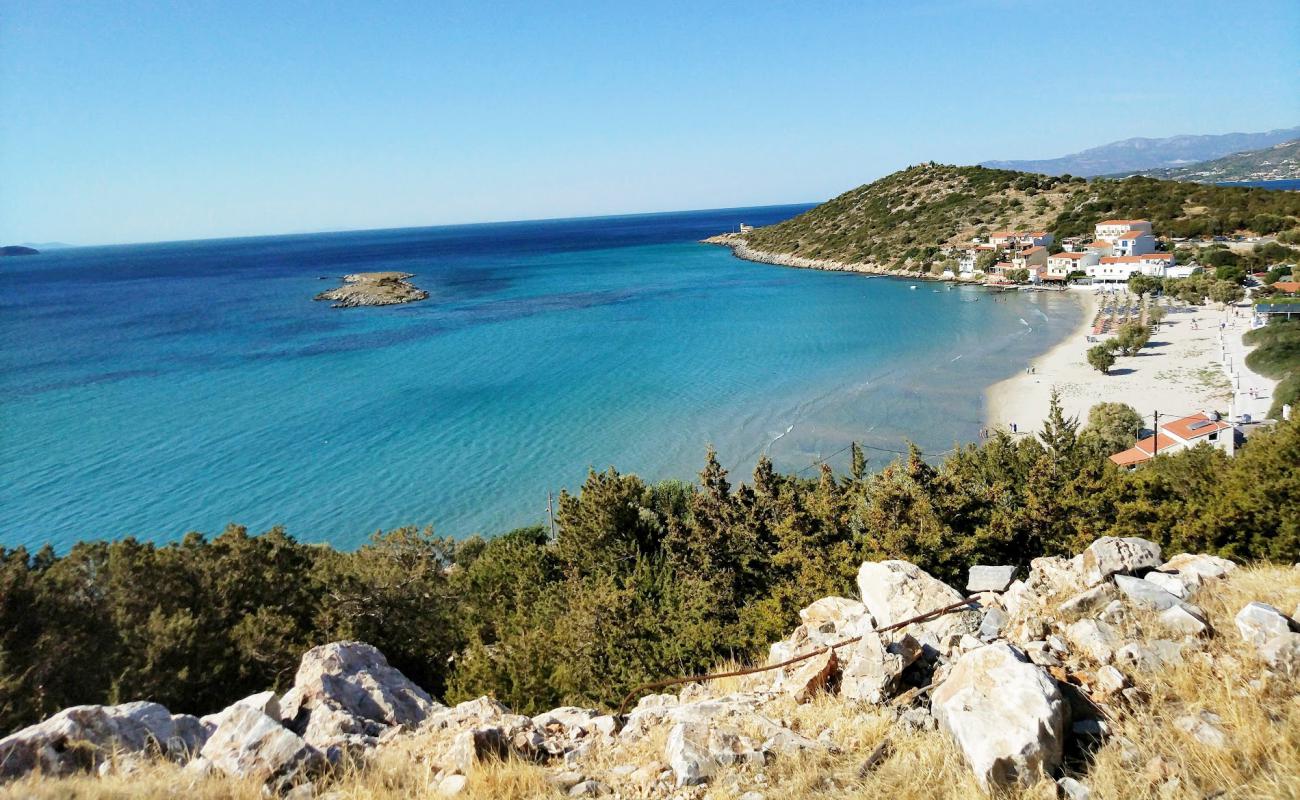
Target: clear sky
x=139, y=121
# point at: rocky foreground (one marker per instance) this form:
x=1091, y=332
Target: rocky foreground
x=1116, y=673
x=374, y=289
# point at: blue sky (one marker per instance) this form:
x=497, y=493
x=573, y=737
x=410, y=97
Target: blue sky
x=141, y=121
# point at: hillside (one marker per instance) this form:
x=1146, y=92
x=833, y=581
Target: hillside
x=904, y=221
x=1277, y=163
x=1130, y=155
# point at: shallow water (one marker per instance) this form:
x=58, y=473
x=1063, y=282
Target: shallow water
x=157, y=389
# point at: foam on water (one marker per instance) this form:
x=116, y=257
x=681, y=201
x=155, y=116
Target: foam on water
x=156, y=389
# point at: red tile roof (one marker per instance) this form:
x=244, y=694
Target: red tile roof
x=1136, y=259
x=1130, y=456
x=1186, y=428
x=1149, y=444
x=1071, y=256
x=1289, y=287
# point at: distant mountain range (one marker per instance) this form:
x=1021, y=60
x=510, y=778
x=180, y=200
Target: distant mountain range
x=1134, y=155
x=1280, y=162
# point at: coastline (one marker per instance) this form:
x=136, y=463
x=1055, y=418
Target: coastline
x=1179, y=372
x=743, y=251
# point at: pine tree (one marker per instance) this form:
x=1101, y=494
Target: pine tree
x=858, y=460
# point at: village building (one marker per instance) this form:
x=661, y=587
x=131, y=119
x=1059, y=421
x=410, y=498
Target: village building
x=1133, y=243
x=1060, y=265
x=1030, y=258
x=1109, y=230
x=1118, y=269
x=1180, y=435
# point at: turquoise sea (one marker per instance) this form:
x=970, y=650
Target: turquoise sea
x=156, y=389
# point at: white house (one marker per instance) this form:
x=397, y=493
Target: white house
x=1117, y=269
x=1014, y=239
x=1180, y=435
x=966, y=262
x=1110, y=229
x=1101, y=247
x=1133, y=243
x=1060, y=265
x=1030, y=258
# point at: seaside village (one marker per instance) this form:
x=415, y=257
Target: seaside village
x=1120, y=249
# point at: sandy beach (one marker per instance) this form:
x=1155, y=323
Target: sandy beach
x=1179, y=372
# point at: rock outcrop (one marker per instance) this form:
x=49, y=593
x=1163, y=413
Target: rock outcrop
x=1006, y=714
x=373, y=289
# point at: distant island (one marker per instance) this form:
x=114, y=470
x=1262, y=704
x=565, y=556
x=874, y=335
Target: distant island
x=18, y=250
x=374, y=289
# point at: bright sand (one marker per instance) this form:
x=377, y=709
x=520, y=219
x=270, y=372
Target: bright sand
x=1179, y=372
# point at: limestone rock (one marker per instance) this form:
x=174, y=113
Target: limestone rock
x=990, y=579
x=1204, y=728
x=896, y=590
x=473, y=746
x=1111, y=555
x=875, y=664
x=249, y=744
x=1150, y=656
x=832, y=615
x=1181, y=620
x=589, y=788
x=810, y=676
x=452, y=785
x=694, y=751
x=1007, y=716
x=1282, y=654
x=992, y=623
x=1073, y=790
x=265, y=702
x=1204, y=567
x=1170, y=582
x=1090, y=599
x=346, y=693
x=1145, y=594
x=1096, y=639
x=1259, y=622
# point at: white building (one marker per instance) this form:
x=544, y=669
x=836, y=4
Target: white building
x=1020, y=239
x=1111, y=229
x=1117, y=269
x=1180, y=435
x=1060, y=265
x=1133, y=243
x=966, y=262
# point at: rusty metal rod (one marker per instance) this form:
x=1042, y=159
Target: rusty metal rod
x=713, y=676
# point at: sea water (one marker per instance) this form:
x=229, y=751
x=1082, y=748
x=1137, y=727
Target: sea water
x=156, y=389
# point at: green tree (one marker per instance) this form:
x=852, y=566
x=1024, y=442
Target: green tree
x=1101, y=357
x=1140, y=284
x=1111, y=427
x=858, y=461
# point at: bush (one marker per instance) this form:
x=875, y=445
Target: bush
x=1101, y=357
x=1131, y=337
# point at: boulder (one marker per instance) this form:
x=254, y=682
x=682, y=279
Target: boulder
x=1259, y=622
x=345, y=693
x=1006, y=715
x=1171, y=582
x=1145, y=594
x=810, y=676
x=1112, y=555
x=831, y=615
x=1282, y=654
x=989, y=579
x=875, y=664
x=992, y=623
x=896, y=590
x=1089, y=599
x=1204, y=728
x=266, y=702
x=1204, y=567
x=1150, y=656
x=250, y=745
x=1094, y=638
x=473, y=746
x=1052, y=575
x=83, y=737
x=694, y=751
x=1179, y=619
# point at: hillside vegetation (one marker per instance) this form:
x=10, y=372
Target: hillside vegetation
x=905, y=220
x=1279, y=162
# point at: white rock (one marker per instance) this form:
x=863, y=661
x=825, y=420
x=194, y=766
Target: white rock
x=896, y=590
x=249, y=744
x=1204, y=728
x=1110, y=555
x=1085, y=601
x=831, y=615
x=589, y=788
x=1170, y=582
x=874, y=665
x=1052, y=575
x=452, y=785
x=1095, y=639
x=265, y=702
x=1282, y=654
x=1042, y=655
x=694, y=751
x=1150, y=656
x=82, y=737
x=992, y=623
x=810, y=676
x=1181, y=620
x=1145, y=594
x=1259, y=622
x=1203, y=567
x=990, y=579
x=1007, y=716
x=1073, y=790
x=1110, y=680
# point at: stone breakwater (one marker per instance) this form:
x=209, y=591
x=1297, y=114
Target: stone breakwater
x=1029, y=672
x=741, y=249
x=374, y=289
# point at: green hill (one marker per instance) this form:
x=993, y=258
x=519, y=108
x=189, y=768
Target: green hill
x=1277, y=163
x=904, y=221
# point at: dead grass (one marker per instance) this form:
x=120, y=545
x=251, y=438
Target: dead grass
x=1148, y=757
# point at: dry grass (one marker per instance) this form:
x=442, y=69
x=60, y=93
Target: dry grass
x=1149, y=757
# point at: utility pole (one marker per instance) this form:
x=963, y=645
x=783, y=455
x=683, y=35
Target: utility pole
x=1155, y=442
x=550, y=513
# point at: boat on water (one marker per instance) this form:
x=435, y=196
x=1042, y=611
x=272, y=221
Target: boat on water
x=913, y=286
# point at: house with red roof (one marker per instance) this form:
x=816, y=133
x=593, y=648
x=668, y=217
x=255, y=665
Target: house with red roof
x=1202, y=428
x=1108, y=230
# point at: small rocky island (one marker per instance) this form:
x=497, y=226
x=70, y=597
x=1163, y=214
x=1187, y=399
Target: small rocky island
x=374, y=289
x=18, y=250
